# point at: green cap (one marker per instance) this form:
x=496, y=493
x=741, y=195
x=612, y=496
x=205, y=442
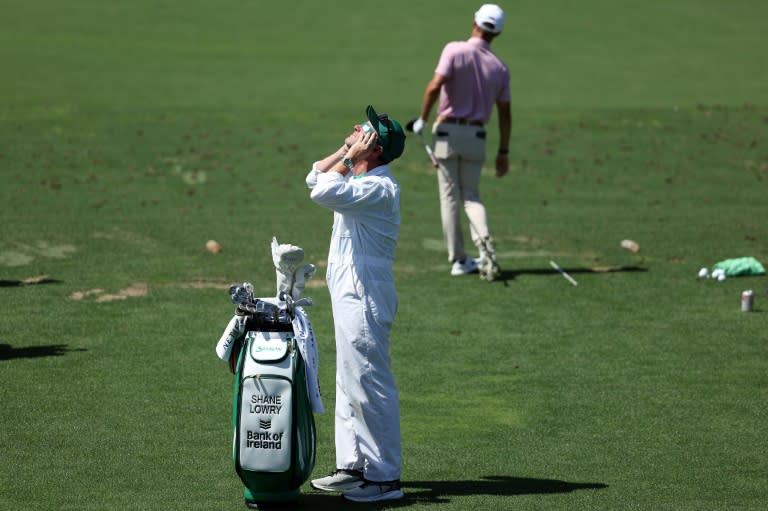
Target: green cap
x=391, y=134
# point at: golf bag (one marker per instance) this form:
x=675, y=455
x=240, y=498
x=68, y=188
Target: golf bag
x=274, y=428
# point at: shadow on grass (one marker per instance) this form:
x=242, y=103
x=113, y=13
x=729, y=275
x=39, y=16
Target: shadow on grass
x=436, y=491
x=8, y=352
x=440, y=492
x=28, y=282
x=506, y=275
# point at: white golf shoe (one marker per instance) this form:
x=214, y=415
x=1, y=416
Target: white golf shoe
x=339, y=480
x=464, y=268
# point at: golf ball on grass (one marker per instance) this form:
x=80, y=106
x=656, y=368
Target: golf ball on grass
x=703, y=273
x=213, y=246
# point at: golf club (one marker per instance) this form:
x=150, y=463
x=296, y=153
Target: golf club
x=409, y=127
x=563, y=273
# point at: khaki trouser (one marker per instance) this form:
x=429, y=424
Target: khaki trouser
x=460, y=151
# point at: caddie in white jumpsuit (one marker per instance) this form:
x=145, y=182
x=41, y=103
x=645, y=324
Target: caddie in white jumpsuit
x=355, y=182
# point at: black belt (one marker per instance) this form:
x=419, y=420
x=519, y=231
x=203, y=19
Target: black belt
x=456, y=120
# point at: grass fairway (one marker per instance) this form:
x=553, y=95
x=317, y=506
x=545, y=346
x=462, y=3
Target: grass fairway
x=131, y=134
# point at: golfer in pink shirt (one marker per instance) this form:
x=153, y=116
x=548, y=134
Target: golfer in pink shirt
x=469, y=80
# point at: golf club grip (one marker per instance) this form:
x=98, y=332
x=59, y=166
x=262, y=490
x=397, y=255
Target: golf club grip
x=431, y=155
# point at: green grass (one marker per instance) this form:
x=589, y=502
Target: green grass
x=131, y=134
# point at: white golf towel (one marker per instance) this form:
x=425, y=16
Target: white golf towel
x=305, y=338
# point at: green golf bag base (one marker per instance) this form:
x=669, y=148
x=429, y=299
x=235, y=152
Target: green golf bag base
x=271, y=497
x=274, y=429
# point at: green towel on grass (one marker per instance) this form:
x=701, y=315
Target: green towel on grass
x=740, y=266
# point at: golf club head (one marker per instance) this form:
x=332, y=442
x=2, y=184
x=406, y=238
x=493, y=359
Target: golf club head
x=236, y=293
x=241, y=294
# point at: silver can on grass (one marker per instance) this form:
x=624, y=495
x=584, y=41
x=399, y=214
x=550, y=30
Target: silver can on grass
x=747, y=301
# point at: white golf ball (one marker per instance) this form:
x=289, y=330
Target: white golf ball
x=721, y=277
x=703, y=273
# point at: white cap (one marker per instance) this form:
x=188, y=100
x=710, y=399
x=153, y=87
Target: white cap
x=490, y=18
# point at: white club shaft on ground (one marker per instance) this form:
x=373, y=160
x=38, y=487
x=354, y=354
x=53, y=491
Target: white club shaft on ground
x=563, y=273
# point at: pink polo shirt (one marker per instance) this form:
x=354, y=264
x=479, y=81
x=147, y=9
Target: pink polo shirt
x=476, y=80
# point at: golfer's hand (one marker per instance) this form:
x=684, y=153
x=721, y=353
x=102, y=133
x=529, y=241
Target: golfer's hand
x=502, y=165
x=418, y=126
x=362, y=147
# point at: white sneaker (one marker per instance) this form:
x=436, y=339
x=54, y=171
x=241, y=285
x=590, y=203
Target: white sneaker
x=339, y=480
x=468, y=266
x=375, y=492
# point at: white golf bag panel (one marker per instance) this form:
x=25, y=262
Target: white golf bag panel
x=265, y=434
x=264, y=440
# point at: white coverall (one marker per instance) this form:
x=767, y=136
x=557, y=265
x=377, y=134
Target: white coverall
x=366, y=225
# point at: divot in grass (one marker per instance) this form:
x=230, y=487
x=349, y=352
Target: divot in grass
x=135, y=290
